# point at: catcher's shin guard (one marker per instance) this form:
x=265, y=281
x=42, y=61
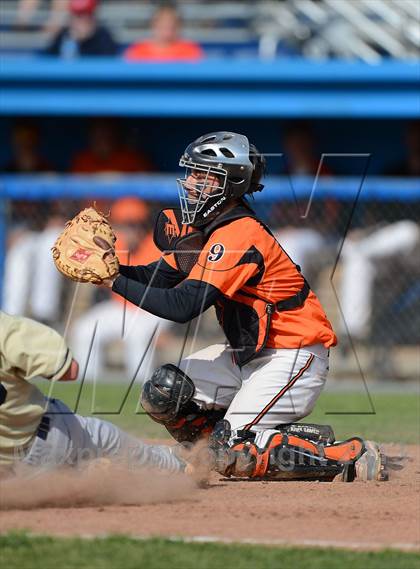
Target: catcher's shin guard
x=274, y=455
x=167, y=399
x=297, y=458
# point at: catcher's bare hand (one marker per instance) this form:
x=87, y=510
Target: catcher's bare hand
x=109, y=282
x=84, y=252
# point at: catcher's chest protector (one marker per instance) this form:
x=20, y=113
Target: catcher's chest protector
x=246, y=317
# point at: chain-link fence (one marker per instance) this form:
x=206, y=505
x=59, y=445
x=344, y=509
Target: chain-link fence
x=360, y=258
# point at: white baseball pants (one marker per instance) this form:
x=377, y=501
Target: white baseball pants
x=358, y=271
x=279, y=387
x=32, y=284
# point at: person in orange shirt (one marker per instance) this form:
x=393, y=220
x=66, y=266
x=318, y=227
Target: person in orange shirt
x=165, y=43
x=250, y=393
x=106, y=153
x=114, y=319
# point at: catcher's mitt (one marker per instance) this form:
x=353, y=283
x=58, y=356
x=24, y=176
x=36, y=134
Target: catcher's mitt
x=84, y=252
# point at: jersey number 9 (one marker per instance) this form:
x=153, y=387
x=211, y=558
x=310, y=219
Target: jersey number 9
x=216, y=252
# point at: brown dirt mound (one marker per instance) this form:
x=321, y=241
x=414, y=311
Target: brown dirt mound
x=366, y=514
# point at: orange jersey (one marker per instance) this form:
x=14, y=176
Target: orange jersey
x=123, y=160
x=242, y=258
x=181, y=50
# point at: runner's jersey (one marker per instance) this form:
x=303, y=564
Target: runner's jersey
x=28, y=349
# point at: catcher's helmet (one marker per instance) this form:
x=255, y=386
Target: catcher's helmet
x=226, y=157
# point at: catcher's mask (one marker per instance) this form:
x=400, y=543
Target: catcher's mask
x=219, y=166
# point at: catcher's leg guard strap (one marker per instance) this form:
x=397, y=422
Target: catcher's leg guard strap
x=345, y=451
x=318, y=433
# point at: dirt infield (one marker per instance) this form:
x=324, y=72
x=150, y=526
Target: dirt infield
x=363, y=515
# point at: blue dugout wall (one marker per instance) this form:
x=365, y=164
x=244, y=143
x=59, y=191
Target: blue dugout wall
x=215, y=88
x=354, y=107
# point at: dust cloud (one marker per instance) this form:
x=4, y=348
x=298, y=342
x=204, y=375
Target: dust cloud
x=101, y=483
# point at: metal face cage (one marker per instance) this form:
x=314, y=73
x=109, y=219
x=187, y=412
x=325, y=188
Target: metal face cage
x=193, y=200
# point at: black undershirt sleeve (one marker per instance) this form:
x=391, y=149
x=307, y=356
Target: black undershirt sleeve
x=159, y=274
x=179, y=304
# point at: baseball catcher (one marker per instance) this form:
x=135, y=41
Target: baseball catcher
x=43, y=432
x=247, y=395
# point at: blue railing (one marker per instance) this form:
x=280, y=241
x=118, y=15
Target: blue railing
x=163, y=187
x=290, y=87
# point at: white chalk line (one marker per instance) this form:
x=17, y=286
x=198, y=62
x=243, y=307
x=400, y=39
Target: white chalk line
x=321, y=544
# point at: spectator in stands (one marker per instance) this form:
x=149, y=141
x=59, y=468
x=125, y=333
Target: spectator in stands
x=26, y=155
x=410, y=166
x=106, y=152
x=113, y=318
x=301, y=156
x=83, y=36
x=166, y=43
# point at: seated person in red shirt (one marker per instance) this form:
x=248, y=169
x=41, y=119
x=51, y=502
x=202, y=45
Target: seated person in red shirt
x=165, y=43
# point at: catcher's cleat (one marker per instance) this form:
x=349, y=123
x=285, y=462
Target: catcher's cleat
x=372, y=464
